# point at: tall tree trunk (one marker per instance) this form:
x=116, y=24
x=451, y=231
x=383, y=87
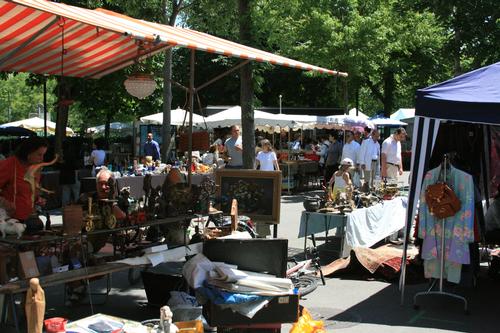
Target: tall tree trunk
x=107, y=128
x=246, y=89
x=389, y=89
x=167, y=106
x=62, y=114
x=167, y=85
x=457, y=44
x=61, y=123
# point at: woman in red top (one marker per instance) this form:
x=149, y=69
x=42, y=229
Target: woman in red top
x=15, y=192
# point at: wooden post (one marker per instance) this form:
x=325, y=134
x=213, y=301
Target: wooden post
x=234, y=215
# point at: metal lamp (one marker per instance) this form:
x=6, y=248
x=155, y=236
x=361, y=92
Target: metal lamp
x=140, y=85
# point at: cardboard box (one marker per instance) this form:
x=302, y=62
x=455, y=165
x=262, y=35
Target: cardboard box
x=29, y=268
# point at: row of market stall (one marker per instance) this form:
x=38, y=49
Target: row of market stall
x=264, y=121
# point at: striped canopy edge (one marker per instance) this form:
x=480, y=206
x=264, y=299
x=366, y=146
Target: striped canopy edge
x=44, y=37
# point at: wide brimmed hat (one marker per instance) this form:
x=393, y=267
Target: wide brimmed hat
x=347, y=161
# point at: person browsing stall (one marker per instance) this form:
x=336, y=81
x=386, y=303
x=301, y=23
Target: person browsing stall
x=234, y=149
x=152, y=148
x=333, y=158
x=97, y=157
x=15, y=192
x=391, y=161
x=341, y=180
x=350, y=151
x=369, y=156
x=266, y=158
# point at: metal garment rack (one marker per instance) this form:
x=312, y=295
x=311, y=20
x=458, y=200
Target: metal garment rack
x=441, y=272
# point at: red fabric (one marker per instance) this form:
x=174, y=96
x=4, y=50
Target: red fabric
x=312, y=157
x=477, y=235
x=23, y=203
x=415, y=232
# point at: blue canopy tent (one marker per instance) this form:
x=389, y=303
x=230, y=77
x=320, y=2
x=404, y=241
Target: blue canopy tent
x=472, y=98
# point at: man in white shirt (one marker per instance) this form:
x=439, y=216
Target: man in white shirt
x=392, y=163
x=351, y=150
x=234, y=148
x=369, y=155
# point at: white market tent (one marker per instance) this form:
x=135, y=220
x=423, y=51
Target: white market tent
x=345, y=122
x=352, y=112
x=387, y=122
x=116, y=126
x=36, y=124
x=402, y=114
x=178, y=117
x=232, y=116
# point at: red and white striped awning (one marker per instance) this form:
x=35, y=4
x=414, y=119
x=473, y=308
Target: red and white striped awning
x=44, y=37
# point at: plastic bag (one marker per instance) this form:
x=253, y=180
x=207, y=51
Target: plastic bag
x=306, y=324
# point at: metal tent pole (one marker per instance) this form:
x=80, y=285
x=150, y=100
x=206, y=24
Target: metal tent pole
x=191, y=106
x=45, y=107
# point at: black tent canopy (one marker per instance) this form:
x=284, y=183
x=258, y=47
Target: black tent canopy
x=472, y=98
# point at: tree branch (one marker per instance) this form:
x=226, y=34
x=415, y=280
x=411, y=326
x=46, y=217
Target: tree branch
x=374, y=90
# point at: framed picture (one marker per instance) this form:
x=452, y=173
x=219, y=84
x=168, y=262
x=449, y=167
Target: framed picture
x=258, y=193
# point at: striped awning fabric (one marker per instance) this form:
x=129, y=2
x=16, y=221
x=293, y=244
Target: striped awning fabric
x=44, y=37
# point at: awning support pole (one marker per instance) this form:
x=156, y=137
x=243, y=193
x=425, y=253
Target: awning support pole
x=191, y=106
x=45, y=107
x=220, y=76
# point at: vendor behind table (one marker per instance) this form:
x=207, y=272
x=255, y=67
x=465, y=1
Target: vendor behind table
x=20, y=181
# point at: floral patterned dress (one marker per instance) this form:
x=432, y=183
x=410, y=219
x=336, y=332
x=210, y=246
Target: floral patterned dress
x=458, y=229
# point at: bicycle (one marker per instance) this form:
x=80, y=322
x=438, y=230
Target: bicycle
x=304, y=273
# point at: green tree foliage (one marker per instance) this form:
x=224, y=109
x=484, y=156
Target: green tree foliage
x=473, y=30
x=385, y=49
x=20, y=97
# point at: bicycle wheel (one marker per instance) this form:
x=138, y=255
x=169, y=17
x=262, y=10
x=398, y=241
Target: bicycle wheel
x=305, y=284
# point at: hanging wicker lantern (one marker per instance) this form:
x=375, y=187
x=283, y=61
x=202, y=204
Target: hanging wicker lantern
x=140, y=85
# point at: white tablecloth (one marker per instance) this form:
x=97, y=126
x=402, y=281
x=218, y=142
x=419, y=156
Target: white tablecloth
x=367, y=226
x=364, y=227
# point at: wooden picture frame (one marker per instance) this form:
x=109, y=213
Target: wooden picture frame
x=258, y=193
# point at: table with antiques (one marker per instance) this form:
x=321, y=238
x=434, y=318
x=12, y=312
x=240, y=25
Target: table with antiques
x=363, y=227
x=88, y=184
x=104, y=269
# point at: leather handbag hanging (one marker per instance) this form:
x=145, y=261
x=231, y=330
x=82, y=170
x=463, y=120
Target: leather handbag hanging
x=441, y=200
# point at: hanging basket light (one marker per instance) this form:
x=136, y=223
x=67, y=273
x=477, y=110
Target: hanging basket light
x=140, y=85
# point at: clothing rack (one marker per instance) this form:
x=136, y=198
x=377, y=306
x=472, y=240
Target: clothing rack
x=445, y=169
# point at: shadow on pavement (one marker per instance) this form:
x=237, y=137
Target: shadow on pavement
x=434, y=311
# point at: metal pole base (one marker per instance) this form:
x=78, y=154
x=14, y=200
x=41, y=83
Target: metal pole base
x=429, y=292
